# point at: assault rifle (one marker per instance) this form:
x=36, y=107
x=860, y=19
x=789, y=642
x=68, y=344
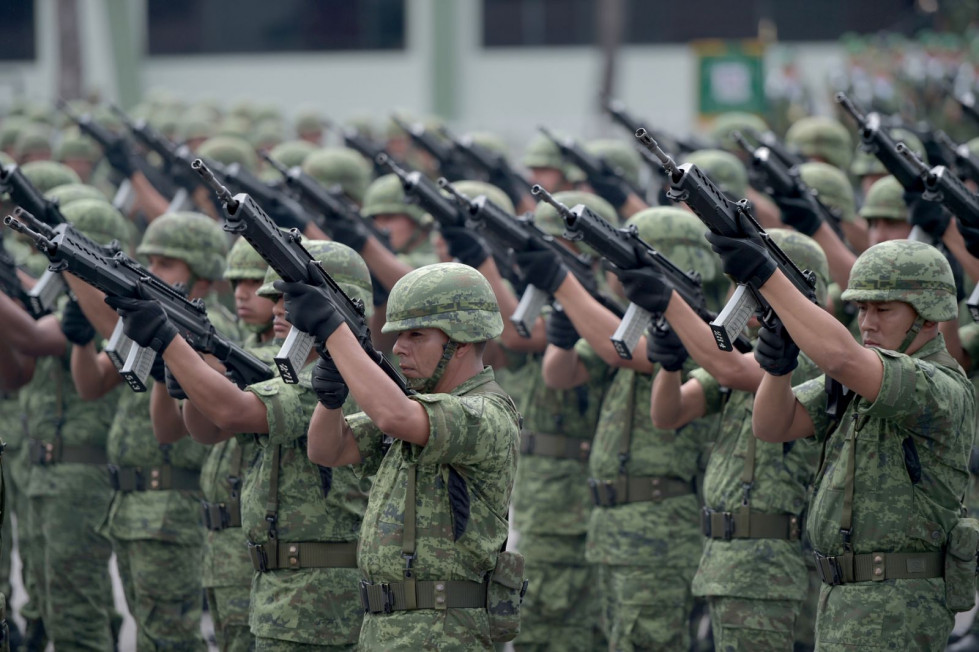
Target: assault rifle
x=364, y=145
x=283, y=208
x=621, y=115
x=778, y=148
x=966, y=163
x=495, y=165
x=521, y=234
x=285, y=254
x=967, y=101
x=690, y=185
x=626, y=250
x=450, y=163
x=121, y=276
x=594, y=167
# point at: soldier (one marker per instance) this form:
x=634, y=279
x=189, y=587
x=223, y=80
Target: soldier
x=68, y=487
x=154, y=520
x=437, y=517
x=823, y=139
x=546, y=165
x=887, y=498
x=753, y=569
x=78, y=152
x=624, y=159
x=301, y=521
x=409, y=228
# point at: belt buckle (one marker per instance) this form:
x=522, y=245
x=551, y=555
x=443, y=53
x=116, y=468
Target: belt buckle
x=593, y=485
x=258, y=554
x=113, y=476
x=728, y=525
x=364, y=598
x=225, y=516
x=610, y=493
x=206, y=509
x=388, y=597
x=705, y=520
x=834, y=564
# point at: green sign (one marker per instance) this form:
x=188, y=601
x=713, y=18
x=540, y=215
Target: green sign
x=731, y=77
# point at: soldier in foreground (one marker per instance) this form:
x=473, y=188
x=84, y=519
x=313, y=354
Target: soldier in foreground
x=436, y=520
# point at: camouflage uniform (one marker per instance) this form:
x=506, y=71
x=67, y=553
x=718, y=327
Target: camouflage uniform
x=386, y=196
x=903, y=460
x=462, y=477
x=287, y=501
x=822, y=138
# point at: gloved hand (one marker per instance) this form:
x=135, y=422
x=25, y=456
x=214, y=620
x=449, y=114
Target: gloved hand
x=775, y=351
x=542, y=268
x=120, y=156
x=145, y=322
x=971, y=236
x=560, y=331
x=745, y=259
x=931, y=216
x=611, y=188
x=465, y=246
x=798, y=213
x=328, y=384
x=76, y=327
x=309, y=309
x=646, y=287
x=352, y=234
x=663, y=346
x=173, y=387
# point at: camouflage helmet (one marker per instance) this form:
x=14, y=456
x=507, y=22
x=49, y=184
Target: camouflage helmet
x=10, y=131
x=679, y=235
x=340, y=165
x=885, y=200
x=97, y=219
x=727, y=123
x=806, y=254
x=45, y=175
x=308, y=120
x=454, y=298
x=473, y=189
x=292, y=153
x=191, y=237
x=33, y=139
x=831, y=186
x=267, y=134
x=725, y=169
x=386, y=196
x=822, y=137
x=973, y=144
x=72, y=192
x=228, y=150
x=904, y=270
x=196, y=126
x=243, y=262
x=341, y=262
x=6, y=159
x=266, y=112
x=235, y=126
x=542, y=152
x=488, y=141
x=619, y=155
x=76, y=146
x=546, y=217
x=865, y=163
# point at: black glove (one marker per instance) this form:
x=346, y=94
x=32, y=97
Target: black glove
x=465, y=246
x=971, y=236
x=76, y=327
x=929, y=215
x=775, y=351
x=646, y=287
x=309, y=309
x=663, y=346
x=542, y=268
x=145, y=322
x=352, y=234
x=328, y=384
x=799, y=213
x=745, y=259
x=120, y=156
x=560, y=331
x=158, y=371
x=173, y=387
x=610, y=188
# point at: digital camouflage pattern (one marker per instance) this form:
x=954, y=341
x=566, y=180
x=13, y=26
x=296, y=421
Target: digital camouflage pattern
x=832, y=188
x=727, y=123
x=474, y=432
x=725, y=169
x=752, y=624
x=227, y=150
x=452, y=297
x=318, y=606
x=191, y=237
x=931, y=406
x=70, y=192
x=807, y=255
x=474, y=189
x=542, y=152
x=243, y=262
x=97, y=219
x=34, y=140
x=547, y=218
x=903, y=270
x=340, y=165
x=386, y=196
x=823, y=138
x=865, y=163
x=619, y=155
x=885, y=200
x=292, y=153
x=45, y=175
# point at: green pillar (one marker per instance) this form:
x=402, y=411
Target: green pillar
x=125, y=56
x=445, y=58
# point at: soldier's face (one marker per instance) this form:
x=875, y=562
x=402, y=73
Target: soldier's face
x=880, y=230
x=419, y=351
x=400, y=228
x=171, y=270
x=251, y=308
x=550, y=179
x=884, y=324
x=280, y=327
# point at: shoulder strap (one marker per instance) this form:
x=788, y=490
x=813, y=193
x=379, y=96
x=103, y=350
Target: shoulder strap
x=408, y=539
x=625, y=441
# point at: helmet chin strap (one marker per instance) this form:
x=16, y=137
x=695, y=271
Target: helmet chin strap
x=427, y=385
x=255, y=329
x=911, y=334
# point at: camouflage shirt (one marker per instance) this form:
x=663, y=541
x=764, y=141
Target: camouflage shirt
x=925, y=412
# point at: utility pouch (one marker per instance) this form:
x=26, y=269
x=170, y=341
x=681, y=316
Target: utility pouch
x=960, y=565
x=504, y=595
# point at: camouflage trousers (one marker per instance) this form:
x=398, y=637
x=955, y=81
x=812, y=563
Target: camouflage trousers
x=561, y=610
x=887, y=615
x=805, y=624
x=278, y=645
x=228, y=606
x=742, y=625
x=28, y=540
x=451, y=630
x=162, y=582
x=71, y=567
x=645, y=607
